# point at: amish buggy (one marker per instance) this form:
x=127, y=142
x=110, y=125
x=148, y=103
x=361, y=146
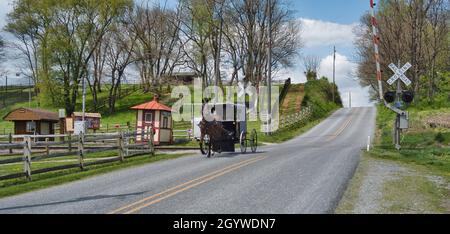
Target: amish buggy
x=225, y=130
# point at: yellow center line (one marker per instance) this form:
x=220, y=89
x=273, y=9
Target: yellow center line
x=181, y=185
x=341, y=129
x=191, y=186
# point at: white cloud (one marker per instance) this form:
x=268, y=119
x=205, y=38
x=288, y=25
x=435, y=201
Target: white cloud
x=317, y=33
x=345, y=79
x=5, y=8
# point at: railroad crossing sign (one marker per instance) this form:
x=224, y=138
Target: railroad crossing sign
x=399, y=74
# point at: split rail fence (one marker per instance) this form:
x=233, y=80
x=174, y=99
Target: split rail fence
x=38, y=148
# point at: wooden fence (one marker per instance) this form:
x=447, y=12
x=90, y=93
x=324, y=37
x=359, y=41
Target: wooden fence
x=298, y=118
x=125, y=144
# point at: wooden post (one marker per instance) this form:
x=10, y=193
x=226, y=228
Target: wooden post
x=47, y=148
x=129, y=139
x=10, y=141
x=120, y=146
x=81, y=150
x=70, y=141
x=107, y=128
x=151, y=143
x=27, y=157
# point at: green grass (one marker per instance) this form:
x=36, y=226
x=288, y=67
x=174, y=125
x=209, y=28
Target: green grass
x=6, y=169
x=286, y=133
x=17, y=186
x=413, y=194
x=411, y=188
x=419, y=144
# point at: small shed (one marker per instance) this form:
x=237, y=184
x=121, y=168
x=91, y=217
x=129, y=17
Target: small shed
x=157, y=116
x=92, y=121
x=181, y=77
x=28, y=121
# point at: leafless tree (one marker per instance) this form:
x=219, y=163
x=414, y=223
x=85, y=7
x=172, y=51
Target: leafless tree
x=311, y=64
x=251, y=20
x=158, y=47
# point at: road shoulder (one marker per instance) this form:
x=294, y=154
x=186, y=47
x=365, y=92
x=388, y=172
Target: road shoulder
x=385, y=186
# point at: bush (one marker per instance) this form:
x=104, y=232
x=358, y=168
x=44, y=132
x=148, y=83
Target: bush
x=440, y=138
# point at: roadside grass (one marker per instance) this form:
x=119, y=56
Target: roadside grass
x=53, y=162
x=421, y=144
x=350, y=197
x=285, y=134
x=413, y=194
x=403, y=188
x=17, y=186
x=425, y=155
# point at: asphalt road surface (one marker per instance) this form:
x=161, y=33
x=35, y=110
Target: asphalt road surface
x=308, y=174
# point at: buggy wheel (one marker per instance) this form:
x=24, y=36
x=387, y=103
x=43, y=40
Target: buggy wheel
x=254, y=141
x=243, y=142
x=205, y=145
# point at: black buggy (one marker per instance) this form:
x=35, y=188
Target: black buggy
x=222, y=134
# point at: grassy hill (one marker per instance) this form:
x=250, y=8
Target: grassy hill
x=293, y=100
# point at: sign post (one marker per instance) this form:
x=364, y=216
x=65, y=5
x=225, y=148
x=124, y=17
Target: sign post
x=402, y=118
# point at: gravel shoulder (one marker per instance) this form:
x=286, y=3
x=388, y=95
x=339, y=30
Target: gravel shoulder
x=387, y=187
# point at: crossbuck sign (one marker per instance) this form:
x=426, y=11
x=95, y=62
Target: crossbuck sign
x=399, y=74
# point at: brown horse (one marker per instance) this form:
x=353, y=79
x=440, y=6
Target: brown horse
x=216, y=133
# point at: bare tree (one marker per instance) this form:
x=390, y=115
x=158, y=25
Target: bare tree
x=251, y=21
x=197, y=28
x=311, y=64
x=121, y=42
x=158, y=47
x=2, y=49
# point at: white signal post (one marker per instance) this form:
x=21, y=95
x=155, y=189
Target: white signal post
x=401, y=121
x=376, y=41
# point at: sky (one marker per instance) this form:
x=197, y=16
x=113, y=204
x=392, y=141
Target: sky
x=325, y=23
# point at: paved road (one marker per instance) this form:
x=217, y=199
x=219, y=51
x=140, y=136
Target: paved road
x=305, y=175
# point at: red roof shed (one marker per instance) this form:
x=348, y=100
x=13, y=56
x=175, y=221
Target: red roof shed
x=157, y=116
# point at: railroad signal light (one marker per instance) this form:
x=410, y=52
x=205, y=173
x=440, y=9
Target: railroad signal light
x=407, y=96
x=389, y=96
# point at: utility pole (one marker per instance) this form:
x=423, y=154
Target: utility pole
x=217, y=65
x=6, y=91
x=84, y=104
x=397, y=130
x=350, y=99
x=269, y=64
x=29, y=91
x=334, y=73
